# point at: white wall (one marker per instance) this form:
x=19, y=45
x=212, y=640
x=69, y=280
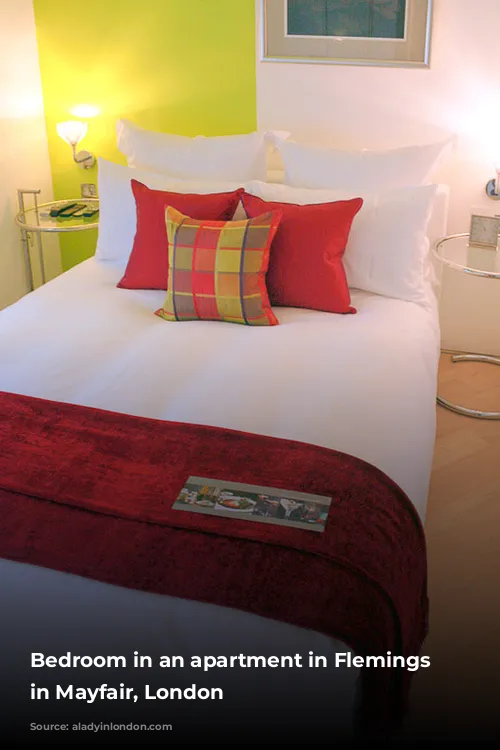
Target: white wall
x=24, y=160
x=375, y=107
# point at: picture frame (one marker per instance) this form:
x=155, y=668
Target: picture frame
x=394, y=33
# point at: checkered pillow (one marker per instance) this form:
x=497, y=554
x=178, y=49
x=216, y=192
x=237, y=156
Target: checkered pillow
x=217, y=269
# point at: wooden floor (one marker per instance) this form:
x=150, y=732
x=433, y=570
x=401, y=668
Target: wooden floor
x=459, y=695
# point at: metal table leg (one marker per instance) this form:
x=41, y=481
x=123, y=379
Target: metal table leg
x=25, y=239
x=462, y=409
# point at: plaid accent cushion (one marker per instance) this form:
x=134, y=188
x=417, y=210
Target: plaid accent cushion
x=217, y=269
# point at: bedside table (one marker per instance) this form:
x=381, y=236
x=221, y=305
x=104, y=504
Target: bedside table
x=455, y=252
x=37, y=219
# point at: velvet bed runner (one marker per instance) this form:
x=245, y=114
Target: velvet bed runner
x=90, y=492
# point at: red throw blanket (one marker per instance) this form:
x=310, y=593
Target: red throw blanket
x=90, y=492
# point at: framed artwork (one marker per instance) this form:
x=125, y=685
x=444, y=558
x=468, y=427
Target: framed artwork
x=347, y=32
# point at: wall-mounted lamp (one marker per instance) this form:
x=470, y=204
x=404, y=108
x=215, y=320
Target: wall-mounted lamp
x=493, y=186
x=72, y=132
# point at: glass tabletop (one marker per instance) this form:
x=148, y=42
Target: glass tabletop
x=456, y=252
x=37, y=218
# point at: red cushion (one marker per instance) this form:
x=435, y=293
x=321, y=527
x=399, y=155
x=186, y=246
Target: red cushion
x=147, y=267
x=305, y=267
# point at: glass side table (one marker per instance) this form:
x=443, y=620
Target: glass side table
x=455, y=252
x=37, y=219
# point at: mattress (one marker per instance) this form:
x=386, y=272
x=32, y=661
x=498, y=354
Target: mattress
x=364, y=384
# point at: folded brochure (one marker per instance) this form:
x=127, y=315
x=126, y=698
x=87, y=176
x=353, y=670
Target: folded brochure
x=249, y=502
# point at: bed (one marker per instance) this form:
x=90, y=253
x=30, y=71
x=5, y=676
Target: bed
x=371, y=388
x=364, y=368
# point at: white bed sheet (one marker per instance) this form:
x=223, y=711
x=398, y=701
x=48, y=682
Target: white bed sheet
x=364, y=384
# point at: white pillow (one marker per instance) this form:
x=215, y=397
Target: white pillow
x=370, y=171
x=388, y=248
x=228, y=157
x=117, y=214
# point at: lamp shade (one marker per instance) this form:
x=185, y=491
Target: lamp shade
x=72, y=131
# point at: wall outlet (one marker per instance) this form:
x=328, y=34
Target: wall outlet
x=89, y=190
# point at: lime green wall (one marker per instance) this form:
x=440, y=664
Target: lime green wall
x=181, y=66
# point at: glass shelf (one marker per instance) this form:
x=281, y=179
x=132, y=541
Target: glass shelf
x=456, y=252
x=38, y=219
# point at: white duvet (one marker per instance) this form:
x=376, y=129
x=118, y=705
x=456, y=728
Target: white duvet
x=364, y=384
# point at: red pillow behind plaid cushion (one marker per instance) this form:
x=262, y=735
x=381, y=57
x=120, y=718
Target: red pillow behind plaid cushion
x=306, y=268
x=147, y=267
x=217, y=269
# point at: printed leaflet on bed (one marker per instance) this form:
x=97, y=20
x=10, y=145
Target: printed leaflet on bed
x=216, y=497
